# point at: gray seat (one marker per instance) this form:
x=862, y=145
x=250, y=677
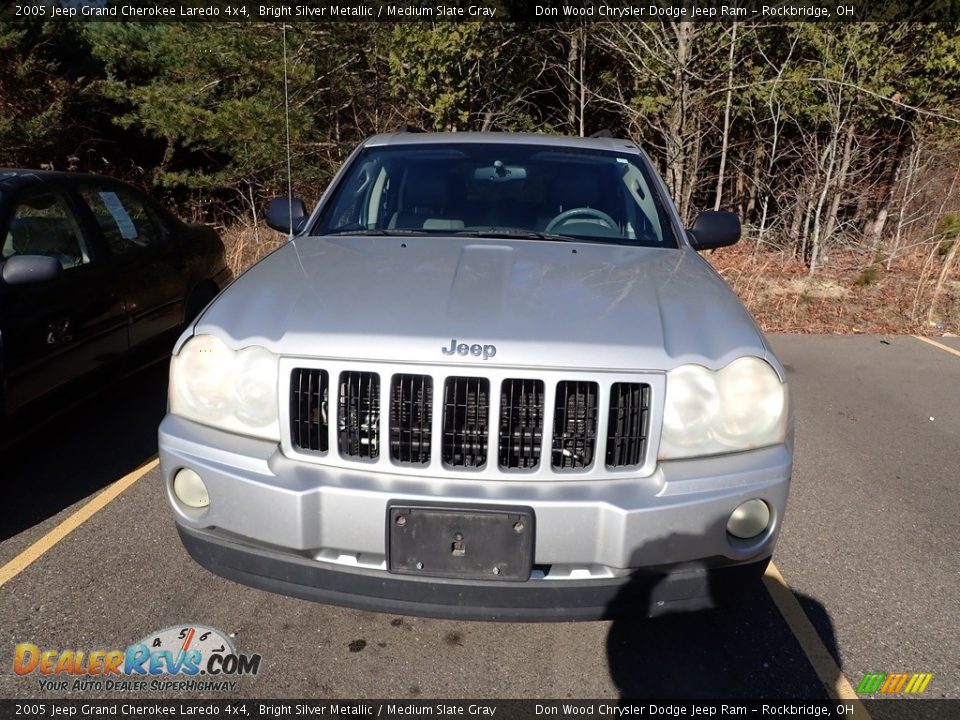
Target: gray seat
x=426, y=205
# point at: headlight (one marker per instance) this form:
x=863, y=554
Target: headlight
x=233, y=390
x=740, y=407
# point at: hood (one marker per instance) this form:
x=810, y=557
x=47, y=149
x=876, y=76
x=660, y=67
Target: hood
x=540, y=303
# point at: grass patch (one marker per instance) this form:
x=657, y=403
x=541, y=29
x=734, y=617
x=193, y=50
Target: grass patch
x=869, y=275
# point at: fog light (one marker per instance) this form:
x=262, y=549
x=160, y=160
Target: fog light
x=749, y=520
x=189, y=488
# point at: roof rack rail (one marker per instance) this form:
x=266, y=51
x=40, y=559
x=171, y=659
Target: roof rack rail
x=604, y=133
x=407, y=128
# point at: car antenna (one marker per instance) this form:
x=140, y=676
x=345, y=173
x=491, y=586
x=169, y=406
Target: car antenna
x=286, y=122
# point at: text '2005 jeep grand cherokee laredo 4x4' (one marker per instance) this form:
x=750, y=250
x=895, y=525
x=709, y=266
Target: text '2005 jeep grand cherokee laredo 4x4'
x=489, y=378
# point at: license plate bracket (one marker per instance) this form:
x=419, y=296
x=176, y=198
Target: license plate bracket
x=462, y=542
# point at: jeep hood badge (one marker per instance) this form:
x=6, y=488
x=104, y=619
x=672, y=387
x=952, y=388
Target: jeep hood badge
x=485, y=351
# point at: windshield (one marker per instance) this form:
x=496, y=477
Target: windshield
x=499, y=189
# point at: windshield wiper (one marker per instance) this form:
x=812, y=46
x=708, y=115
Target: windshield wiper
x=518, y=234
x=379, y=232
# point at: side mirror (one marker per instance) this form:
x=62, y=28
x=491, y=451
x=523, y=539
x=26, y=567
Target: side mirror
x=25, y=269
x=278, y=215
x=714, y=229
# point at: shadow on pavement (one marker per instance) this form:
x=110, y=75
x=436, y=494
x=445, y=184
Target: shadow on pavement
x=81, y=451
x=743, y=649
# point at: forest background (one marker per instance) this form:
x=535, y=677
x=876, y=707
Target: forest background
x=837, y=143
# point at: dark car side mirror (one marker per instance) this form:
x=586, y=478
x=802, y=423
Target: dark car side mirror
x=279, y=213
x=714, y=229
x=25, y=269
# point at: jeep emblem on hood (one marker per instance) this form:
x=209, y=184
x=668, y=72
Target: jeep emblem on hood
x=487, y=351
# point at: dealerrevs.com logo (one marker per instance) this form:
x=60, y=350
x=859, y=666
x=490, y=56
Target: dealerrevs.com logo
x=189, y=658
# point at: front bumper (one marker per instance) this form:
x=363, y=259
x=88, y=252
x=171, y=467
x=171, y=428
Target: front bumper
x=648, y=544
x=648, y=593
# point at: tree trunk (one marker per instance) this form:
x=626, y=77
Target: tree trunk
x=814, y=199
x=816, y=237
x=725, y=142
x=875, y=230
x=771, y=163
x=904, y=203
x=583, y=81
x=677, y=160
x=793, y=236
x=740, y=192
x=942, y=279
x=573, y=65
x=755, y=180
x=840, y=184
x=949, y=260
x=692, y=176
x=805, y=233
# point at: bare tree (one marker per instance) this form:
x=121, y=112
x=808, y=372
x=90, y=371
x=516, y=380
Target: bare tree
x=725, y=141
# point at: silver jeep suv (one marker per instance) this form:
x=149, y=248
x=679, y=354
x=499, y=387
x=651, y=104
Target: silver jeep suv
x=488, y=378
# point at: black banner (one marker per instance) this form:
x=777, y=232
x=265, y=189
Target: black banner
x=483, y=10
x=484, y=709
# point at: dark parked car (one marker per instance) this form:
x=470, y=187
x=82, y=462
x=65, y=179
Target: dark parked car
x=96, y=280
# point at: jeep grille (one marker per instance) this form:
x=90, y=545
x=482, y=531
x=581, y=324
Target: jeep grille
x=523, y=418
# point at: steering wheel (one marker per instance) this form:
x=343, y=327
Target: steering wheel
x=581, y=211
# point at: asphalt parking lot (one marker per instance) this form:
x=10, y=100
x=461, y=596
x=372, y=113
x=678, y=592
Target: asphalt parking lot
x=869, y=548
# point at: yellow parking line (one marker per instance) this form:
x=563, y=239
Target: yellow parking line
x=949, y=349
x=833, y=679
x=33, y=553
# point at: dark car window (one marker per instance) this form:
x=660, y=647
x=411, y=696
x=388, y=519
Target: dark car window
x=43, y=223
x=482, y=188
x=124, y=219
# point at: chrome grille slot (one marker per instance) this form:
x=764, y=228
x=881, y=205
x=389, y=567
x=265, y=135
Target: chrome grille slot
x=628, y=424
x=466, y=407
x=411, y=415
x=309, y=398
x=574, y=425
x=358, y=419
x=521, y=423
